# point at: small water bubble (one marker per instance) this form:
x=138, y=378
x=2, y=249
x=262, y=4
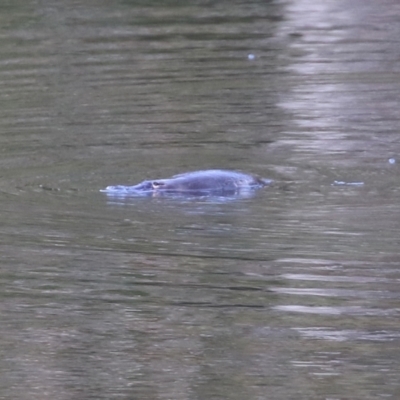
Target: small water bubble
x=251, y=56
x=392, y=161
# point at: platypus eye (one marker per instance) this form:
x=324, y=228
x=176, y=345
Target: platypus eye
x=157, y=185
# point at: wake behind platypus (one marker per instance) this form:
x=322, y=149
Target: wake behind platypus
x=198, y=183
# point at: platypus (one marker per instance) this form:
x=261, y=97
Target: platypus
x=198, y=183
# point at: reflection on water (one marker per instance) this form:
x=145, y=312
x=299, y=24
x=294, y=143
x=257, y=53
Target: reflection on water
x=290, y=293
x=344, y=335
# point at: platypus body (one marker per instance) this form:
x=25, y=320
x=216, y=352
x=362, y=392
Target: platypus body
x=198, y=183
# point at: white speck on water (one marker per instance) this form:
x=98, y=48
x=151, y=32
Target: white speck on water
x=340, y=183
x=392, y=161
x=251, y=56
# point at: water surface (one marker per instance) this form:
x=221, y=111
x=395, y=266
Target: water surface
x=291, y=293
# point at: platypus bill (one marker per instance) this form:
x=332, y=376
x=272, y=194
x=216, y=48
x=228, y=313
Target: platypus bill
x=197, y=183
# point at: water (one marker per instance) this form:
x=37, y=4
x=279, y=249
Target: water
x=291, y=293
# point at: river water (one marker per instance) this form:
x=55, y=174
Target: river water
x=293, y=293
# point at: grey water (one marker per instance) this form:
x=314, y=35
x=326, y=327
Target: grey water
x=293, y=293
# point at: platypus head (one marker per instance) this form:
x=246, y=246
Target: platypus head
x=145, y=188
x=151, y=186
